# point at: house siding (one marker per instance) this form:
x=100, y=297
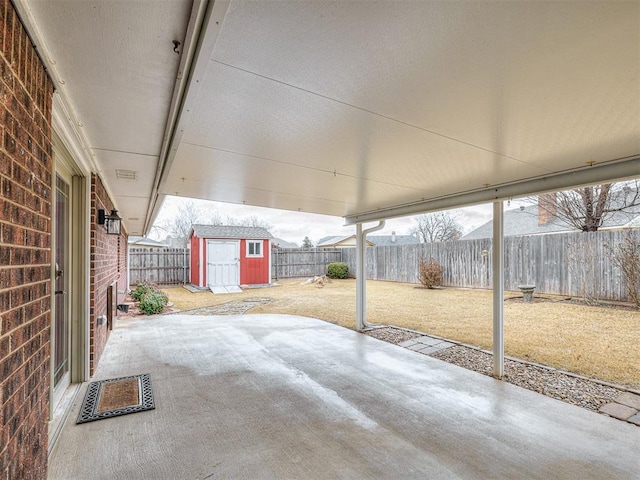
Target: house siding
x=254, y=271
x=26, y=171
x=104, y=271
x=195, y=260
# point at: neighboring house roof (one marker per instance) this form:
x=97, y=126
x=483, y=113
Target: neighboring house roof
x=136, y=241
x=278, y=242
x=524, y=221
x=340, y=241
x=223, y=231
x=372, y=241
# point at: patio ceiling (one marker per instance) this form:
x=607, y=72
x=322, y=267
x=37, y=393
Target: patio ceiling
x=343, y=108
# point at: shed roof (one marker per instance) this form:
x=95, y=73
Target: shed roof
x=138, y=241
x=229, y=231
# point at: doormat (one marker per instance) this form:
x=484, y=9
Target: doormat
x=115, y=397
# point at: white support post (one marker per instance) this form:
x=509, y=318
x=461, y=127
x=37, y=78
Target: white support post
x=361, y=303
x=498, y=290
x=361, y=274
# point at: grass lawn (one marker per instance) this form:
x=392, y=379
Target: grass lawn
x=598, y=342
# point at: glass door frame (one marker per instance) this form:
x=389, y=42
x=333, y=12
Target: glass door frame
x=78, y=238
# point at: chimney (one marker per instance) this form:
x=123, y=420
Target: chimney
x=547, y=208
x=393, y=237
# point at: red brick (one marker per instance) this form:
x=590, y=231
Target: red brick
x=10, y=365
x=8, y=33
x=25, y=233
x=11, y=319
x=3, y=9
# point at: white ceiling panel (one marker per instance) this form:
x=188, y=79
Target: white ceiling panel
x=506, y=77
x=348, y=108
x=113, y=64
x=407, y=100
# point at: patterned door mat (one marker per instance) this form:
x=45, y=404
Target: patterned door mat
x=117, y=396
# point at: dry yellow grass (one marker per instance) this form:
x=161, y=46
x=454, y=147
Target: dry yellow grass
x=598, y=342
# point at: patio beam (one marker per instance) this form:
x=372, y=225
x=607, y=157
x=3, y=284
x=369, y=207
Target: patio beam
x=627, y=168
x=498, y=289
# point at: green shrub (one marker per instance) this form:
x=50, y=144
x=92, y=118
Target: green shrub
x=141, y=290
x=337, y=270
x=430, y=273
x=153, y=302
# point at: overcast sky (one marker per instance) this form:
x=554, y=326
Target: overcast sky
x=294, y=226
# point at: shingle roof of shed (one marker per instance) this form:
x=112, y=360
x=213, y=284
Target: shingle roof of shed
x=224, y=231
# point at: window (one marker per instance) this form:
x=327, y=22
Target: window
x=254, y=248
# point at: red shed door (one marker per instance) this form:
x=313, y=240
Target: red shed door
x=223, y=263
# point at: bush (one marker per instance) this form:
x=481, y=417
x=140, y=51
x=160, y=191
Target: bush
x=153, y=302
x=141, y=290
x=430, y=273
x=626, y=256
x=337, y=270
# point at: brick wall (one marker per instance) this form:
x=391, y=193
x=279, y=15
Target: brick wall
x=104, y=271
x=25, y=255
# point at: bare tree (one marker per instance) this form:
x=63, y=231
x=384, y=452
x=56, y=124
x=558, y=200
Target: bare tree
x=587, y=208
x=250, y=221
x=437, y=227
x=187, y=213
x=307, y=243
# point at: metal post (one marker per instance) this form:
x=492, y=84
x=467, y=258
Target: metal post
x=498, y=290
x=361, y=275
x=360, y=280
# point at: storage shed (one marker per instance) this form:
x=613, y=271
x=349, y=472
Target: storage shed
x=230, y=256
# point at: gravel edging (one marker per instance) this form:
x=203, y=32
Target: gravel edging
x=233, y=307
x=570, y=388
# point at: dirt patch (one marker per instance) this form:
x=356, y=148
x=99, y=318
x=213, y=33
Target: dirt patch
x=392, y=335
x=229, y=308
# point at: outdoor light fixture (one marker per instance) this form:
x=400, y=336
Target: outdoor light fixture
x=112, y=222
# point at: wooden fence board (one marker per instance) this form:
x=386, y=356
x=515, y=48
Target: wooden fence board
x=562, y=264
x=163, y=266
x=569, y=264
x=298, y=262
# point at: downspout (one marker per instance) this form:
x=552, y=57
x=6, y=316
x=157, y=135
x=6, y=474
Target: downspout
x=361, y=280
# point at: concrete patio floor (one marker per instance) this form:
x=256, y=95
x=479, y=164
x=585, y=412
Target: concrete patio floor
x=287, y=397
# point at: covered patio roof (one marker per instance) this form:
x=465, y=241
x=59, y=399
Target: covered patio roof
x=357, y=109
x=291, y=397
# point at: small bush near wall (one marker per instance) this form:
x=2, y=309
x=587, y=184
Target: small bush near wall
x=337, y=270
x=141, y=290
x=153, y=302
x=626, y=256
x=430, y=273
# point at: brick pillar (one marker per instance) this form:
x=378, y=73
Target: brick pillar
x=26, y=170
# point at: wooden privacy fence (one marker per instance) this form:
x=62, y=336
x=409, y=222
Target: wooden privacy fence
x=572, y=264
x=163, y=266
x=302, y=262
x=170, y=266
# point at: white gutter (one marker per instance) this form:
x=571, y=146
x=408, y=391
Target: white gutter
x=202, y=34
x=361, y=274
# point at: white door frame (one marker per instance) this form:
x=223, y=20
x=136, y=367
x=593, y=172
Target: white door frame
x=236, y=244
x=78, y=266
